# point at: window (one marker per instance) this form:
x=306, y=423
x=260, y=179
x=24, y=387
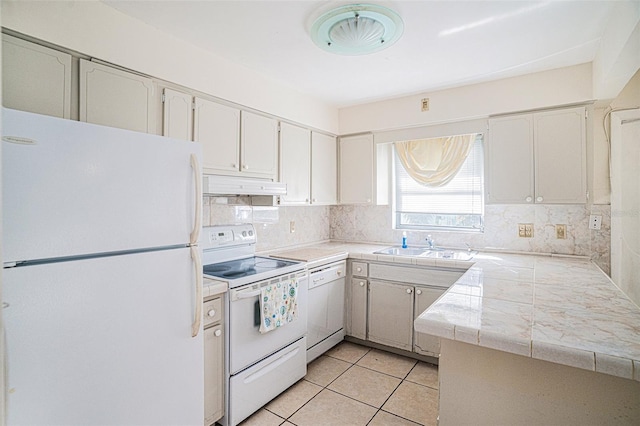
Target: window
x=459, y=205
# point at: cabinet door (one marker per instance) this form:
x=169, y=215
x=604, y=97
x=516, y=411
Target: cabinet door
x=509, y=163
x=560, y=154
x=217, y=128
x=356, y=170
x=391, y=314
x=177, y=115
x=214, y=374
x=426, y=344
x=259, y=142
x=295, y=164
x=358, y=308
x=116, y=98
x=324, y=169
x=35, y=78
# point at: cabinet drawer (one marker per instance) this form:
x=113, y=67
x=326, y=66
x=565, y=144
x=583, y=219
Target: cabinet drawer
x=212, y=311
x=359, y=269
x=421, y=276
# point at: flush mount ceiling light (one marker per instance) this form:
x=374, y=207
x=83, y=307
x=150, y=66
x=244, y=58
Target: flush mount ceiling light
x=357, y=29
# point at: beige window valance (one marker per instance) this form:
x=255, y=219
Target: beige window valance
x=435, y=162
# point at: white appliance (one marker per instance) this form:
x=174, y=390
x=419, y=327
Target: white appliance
x=258, y=366
x=327, y=272
x=102, y=275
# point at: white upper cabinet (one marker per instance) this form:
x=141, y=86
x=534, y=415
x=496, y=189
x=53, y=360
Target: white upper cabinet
x=35, y=78
x=295, y=164
x=112, y=97
x=356, y=169
x=364, y=171
x=324, y=169
x=217, y=128
x=509, y=171
x=177, y=115
x=537, y=158
x=560, y=156
x=259, y=145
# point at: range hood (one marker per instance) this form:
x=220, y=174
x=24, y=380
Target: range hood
x=232, y=185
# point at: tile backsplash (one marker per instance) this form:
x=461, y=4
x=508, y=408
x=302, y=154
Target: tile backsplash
x=374, y=224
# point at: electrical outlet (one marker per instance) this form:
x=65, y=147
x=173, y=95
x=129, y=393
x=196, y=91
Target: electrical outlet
x=595, y=221
x=561, y=232
x=292, y=226
x=525, y=230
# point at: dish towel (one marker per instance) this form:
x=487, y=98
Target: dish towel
x=278, y=304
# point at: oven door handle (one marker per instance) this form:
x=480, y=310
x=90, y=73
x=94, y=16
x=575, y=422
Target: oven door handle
x=248, y=295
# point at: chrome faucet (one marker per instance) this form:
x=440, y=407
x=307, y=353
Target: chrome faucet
x=430, y=242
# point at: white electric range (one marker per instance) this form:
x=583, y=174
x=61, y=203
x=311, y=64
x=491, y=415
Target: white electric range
x=258, y=365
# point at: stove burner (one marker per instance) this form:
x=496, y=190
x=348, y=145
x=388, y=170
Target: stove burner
x=234, y=269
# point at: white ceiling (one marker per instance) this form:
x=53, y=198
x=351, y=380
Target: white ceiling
x=445, y=43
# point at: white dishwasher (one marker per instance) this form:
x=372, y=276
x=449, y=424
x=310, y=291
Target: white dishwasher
x=325, y=321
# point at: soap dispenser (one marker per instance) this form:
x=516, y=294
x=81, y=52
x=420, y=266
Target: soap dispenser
x=404, y=239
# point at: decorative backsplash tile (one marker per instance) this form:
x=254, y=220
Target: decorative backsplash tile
x=374, y=224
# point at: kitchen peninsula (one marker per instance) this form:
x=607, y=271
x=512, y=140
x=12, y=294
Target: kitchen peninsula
x=530, y=339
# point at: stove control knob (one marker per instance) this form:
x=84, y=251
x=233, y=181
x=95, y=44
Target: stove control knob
x=212, y=313
x=251, y=233
x=244, y=233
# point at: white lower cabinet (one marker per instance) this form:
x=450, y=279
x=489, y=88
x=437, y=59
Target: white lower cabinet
x=425, y=344
x=213, y=361
x=390, y=314
x=357, y=308
x=384, y=299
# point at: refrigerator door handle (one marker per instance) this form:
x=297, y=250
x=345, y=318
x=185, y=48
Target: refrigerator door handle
x=195, y=255
x=195, y=233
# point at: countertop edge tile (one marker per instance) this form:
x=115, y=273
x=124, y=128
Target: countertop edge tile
x=614, y=366
x=510, y=344
x=466, y=335
x=563, y=355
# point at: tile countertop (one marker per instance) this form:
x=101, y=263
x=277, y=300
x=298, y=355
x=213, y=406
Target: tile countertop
x=559, y=309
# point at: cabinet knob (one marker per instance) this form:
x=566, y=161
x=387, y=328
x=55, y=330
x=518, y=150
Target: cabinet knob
x=409, y=291
x=539, y=199
x=418, y=291
x=338, y=273
x=361, y=284
x=313, y=200
x=359, y=269
x=245, y=167
x=217, y=333
x=212, y=313
x=528, y=199
x=368, y=200
x=234, y=165
x=306, y=200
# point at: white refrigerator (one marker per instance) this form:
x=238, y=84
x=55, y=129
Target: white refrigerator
x=102, y=277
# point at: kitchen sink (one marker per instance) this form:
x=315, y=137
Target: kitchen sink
x=399, y=251
x=437, y=253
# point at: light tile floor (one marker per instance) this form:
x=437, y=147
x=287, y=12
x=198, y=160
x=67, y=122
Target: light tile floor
x=355, y=385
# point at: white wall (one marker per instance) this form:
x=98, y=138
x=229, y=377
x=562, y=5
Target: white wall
x=538, y=90
x=94, y=29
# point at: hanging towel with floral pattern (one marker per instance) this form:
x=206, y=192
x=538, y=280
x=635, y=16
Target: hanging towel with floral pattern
x=278, y=304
